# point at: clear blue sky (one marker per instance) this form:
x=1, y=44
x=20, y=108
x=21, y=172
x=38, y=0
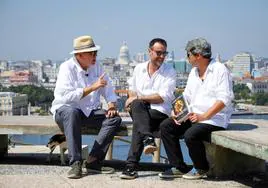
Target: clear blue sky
x=35, y=29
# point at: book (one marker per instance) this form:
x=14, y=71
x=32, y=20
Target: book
x=181, y=108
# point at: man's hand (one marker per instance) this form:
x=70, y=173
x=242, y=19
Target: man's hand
x=101, y=82
x=195, y=118
x=129, y=101
x=111, y=112
x=173, y=115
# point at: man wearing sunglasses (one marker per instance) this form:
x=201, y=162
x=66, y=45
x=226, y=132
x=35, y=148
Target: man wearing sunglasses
x=209, y=93
x=149, y=103
x=80, y=83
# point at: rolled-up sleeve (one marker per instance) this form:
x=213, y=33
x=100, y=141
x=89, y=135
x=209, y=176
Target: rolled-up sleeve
x=108, y=91
x=224, y=91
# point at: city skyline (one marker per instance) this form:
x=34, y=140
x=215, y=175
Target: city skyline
x=45, y=29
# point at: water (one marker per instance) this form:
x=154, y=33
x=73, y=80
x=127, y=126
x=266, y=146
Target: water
x=120, y=149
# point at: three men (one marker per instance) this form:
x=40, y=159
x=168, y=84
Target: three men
x=81, y=81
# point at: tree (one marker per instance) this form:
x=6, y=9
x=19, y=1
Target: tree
x=260, y=99
x=39, y=96
x=241, y=91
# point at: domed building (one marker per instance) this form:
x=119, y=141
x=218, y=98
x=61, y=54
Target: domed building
x=124, y=57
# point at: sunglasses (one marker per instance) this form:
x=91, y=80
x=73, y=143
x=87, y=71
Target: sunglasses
x=159, y=53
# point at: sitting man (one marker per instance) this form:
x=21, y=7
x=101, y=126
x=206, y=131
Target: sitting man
x=80, y=83
x=209, y=93
x=150, y=95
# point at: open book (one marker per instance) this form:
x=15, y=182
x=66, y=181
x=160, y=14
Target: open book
x=181, y=108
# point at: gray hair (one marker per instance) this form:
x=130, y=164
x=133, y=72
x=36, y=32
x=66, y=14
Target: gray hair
x=199, y=46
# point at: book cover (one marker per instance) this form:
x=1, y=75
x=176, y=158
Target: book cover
x=181, y=108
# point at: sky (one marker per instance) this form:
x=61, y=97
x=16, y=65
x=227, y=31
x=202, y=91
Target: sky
x=45, y=29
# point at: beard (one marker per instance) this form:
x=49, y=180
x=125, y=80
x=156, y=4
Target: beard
x=157, y=63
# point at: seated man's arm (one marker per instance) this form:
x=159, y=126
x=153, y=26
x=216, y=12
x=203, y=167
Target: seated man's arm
x=152, y=99
x=212, y=111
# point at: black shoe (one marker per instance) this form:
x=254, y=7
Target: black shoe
x=97, y=167
x=129, y=173
x=149, y=146
x=76, y=170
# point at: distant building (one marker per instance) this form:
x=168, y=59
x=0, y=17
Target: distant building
x=124, y=57
x=13, y=104
x=241, y=65
x=3, y=66
x=50, y=73
x=5, y=76
x=182, y=66
x=23, y=78
x=141, y=57
x=258, y=87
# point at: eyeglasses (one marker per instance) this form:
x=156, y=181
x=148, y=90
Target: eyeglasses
x=189, y=54
x=159, y=53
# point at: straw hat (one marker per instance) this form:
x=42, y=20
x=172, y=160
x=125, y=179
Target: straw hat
x=84, y=44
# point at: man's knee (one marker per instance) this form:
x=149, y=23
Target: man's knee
x=166, y=125
x=190, y=135
x=114, y=121
x=137, y=104
x=68, y=114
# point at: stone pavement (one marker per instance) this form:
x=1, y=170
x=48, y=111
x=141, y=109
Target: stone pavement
x=32, y=171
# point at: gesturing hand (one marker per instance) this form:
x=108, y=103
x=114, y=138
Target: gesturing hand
x=101, y=82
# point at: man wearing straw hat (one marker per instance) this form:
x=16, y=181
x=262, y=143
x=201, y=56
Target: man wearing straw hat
x=80, y=83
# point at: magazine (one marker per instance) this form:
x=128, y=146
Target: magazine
x=181, y=108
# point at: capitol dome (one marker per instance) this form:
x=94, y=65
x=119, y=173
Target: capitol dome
x=124, y=57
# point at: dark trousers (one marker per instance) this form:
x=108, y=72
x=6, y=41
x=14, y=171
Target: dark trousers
x=146, y=122
x=72, y=120
x=194, y=135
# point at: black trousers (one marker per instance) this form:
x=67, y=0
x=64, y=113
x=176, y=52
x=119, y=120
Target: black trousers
x=194, y=135
x=146, y=122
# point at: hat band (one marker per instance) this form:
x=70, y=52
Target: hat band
x=84, y=47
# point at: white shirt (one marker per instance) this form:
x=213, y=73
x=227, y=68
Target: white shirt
x=162, y=82
x=71, y=81
x=217, y=85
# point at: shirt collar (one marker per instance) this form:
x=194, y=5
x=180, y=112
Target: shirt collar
x=210, y=65
x=160, y=70
x=209, y=68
